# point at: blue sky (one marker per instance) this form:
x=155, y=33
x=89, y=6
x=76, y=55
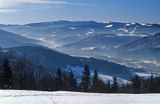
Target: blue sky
x=28, y=11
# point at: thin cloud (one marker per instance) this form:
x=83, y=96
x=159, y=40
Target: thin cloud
x=55, y=2
x=8, y=3
x=11, y=6
x=3, y=10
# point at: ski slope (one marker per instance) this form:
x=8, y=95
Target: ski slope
x=62, y=97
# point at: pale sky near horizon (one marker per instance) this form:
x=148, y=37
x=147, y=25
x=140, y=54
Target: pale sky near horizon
x=29, y=11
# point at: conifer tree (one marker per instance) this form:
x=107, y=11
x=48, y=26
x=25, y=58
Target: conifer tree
x=59, y=80
x=72, y=83
x=7, y=79
x=136, y=82
x=95, y=82
x=115, y=85
x=85, y=81
x=151, y=83
x=109, y=86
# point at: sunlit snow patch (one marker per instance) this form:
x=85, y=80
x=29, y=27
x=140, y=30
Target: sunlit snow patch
x=72, y=28
x=109, y=26
x=88, y=48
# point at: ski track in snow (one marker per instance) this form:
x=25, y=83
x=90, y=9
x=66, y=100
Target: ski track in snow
x=62, y=97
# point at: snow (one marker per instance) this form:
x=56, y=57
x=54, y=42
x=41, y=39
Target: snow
x=78, y=35
x=107, y=78
x=126, y=30
x=42, y=39
x=72, y=28
x=133, y=30
x=5, y=51
x=144, y=75
x=131, y=49
x=62, y=97
x=128, y=24
x=78, y=71
x=109, y=26
x=148, y=25
x=143, y=24
x=91, y=31
x=130, y=33
x=123, y=29
x=133, y=23
x=52, y=35
x=106, y=22
x=142, y=35
x=88, y=48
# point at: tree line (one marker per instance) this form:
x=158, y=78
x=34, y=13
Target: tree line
x=24, y=75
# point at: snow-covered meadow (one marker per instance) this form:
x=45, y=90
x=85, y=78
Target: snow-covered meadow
x=62, y=97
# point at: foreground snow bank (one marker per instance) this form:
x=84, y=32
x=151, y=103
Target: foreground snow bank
x=38, y=97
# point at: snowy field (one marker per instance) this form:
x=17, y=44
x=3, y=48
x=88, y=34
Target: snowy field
x=33, y=97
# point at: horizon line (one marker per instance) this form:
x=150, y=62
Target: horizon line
x=77, y=21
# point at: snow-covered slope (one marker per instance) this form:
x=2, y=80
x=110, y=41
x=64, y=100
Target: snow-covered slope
x=62, y=97
x=53, y=60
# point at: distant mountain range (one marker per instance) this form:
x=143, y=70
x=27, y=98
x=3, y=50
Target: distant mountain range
x=149, y=46
x=116, y=47
x=145, y=50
